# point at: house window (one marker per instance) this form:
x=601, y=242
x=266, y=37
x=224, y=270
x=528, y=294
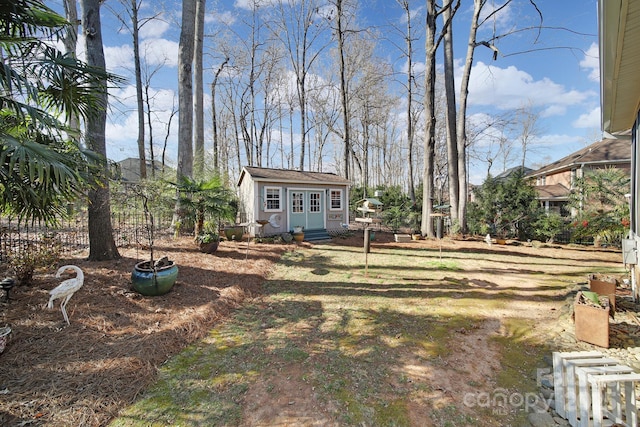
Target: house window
x=297, y=202
x=272, y=199
x=314, y=203
x=335, y=197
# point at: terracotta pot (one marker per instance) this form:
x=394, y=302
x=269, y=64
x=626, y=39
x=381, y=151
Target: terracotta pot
x=298, y=237
x=591, y=323
x=150, y=282
x=602, y=287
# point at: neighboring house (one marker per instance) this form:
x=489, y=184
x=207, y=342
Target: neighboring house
x=128, y=170
x=283, y=199
x=619, y=25
x=503, y=176
x=555, y=181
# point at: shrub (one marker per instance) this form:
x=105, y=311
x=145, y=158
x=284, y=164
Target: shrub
x=25, y=258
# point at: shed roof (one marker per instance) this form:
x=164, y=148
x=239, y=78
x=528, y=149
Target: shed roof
x=292, y=176
x=607, y=151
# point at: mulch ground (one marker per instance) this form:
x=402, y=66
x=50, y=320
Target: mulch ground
x=56, y=374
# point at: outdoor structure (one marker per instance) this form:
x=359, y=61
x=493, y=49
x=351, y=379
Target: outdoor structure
x=555, y=181
x=282, y=199
x=619, y=34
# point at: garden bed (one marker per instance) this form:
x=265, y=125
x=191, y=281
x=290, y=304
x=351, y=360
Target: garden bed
x=83, y=374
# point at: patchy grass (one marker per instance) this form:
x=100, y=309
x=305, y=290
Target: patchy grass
x=402, y=341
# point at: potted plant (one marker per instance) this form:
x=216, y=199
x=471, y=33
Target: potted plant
x=298, y=233
x=150, y=277
x=208, y=239
x=591, y=317
x=414, y=219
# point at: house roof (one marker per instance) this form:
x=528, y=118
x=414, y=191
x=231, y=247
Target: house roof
x=619, y=28
x=292, y=176
x=552, y=192
x=607, y=151
x=506, y=174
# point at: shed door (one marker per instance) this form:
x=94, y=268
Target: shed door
x=306, y=208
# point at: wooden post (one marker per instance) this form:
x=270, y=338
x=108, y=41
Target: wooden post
x=366, y=250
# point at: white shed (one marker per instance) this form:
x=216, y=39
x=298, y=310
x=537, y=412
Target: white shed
x=282, y=199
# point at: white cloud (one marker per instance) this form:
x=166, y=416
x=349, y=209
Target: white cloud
x=509, y=88
x=501, y=19
x=250, y=4
x=160, y=52
x=225, y=18
x=591, y=62
x=588, y=120
x=154, y=28
x=118, y=57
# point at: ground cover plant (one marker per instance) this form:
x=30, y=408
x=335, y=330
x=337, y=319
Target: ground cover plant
x=414, y=339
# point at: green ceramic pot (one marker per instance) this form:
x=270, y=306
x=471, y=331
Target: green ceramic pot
x=234, y=233
x=153, y=283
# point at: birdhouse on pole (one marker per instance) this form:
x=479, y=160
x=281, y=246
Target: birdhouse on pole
x=370, y=210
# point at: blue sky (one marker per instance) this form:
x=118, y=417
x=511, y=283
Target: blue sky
x=557, y=78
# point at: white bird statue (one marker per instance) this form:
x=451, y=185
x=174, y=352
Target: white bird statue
x=488, y=239
x=66, y=289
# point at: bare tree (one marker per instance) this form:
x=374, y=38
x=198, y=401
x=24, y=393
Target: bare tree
x=526, y=120
x=450, y=116
x=476, y=22
x=431, y=46
x=70, y=41
x=214, y=114
x=198, y=90
x=134, y=24
x=410, y=37
x=185, y=89
x=101, y=243
x=299, y=28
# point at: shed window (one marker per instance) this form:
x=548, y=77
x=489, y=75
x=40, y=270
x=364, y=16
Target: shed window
x=336, y=200
x=314, y=203
x=297, y=202
x=272, y=199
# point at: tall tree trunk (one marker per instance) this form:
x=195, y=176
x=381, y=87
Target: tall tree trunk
x=462, y=117
x=147, y=100
x=450, y=116
x=70, y=41
x=430, y=117
x=135, y=32
x=185, y=98
x=343, y=88
x=198, y=104
x=410, y=136
x=101, y=243
x=214, y=124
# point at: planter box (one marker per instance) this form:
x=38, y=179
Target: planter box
x=591, y=323
x=402, y=238
x=602, y=287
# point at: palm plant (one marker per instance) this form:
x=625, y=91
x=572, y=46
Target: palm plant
x=205, y=198
x=41, y=165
